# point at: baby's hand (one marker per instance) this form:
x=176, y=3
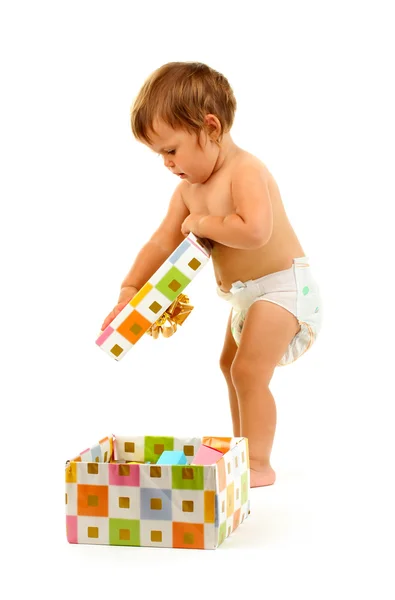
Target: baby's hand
x=127, y=293
x=191, y=224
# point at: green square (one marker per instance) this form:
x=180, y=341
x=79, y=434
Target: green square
x=173, y=275
x=244, y=487
x=222, y=533
x=118, y=525
x=180, y=483
x=149, y=447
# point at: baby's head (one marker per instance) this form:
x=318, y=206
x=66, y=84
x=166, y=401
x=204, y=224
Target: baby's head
x=184, y=112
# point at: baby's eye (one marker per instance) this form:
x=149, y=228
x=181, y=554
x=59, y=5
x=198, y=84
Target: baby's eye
x=168, y=152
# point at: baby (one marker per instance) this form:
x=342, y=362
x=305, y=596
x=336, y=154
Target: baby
x=184, y=112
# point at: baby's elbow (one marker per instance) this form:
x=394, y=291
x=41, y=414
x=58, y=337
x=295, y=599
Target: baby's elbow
x=260, y=237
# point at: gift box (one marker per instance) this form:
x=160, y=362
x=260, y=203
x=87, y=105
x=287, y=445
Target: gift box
x=152, y=300
x=116, y=493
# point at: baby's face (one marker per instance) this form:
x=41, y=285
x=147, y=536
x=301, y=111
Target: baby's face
x=182, y=153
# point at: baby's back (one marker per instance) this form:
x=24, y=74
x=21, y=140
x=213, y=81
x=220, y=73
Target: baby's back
x=232, y=264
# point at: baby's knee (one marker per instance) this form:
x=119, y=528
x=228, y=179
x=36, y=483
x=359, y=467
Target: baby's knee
x=225, y=364
x=245, y=373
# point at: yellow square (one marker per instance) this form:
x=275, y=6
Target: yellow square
x=188, y=538
x=156, y=503
x=116, y=350
x=93, y=501
x=71, y=472
x=155, y=307
x=124, y=534
x=187, y=505
x=124, y=502
x=155, y=471
x=189, y=450
x=194, y=264
x=174, y=285
x=123, y=470
x=156, y=536
x=187, y=473
x=93, y=468
x=93, y=532
x=135, y=328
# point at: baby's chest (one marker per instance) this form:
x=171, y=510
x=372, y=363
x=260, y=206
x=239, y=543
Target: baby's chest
x=213, y=200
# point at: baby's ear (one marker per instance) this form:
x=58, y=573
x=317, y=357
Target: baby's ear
x=212, y=126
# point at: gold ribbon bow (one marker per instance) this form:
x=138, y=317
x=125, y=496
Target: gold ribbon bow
x=173, y=316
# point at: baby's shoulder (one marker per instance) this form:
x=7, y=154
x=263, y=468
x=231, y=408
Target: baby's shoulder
x=244, y=158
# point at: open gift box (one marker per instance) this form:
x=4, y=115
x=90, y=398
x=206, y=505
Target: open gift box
x=117, y=494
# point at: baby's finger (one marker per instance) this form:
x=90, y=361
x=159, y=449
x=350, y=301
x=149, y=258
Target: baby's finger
x=108, y=320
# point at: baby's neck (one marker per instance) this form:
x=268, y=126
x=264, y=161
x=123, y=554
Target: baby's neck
x=226, y=153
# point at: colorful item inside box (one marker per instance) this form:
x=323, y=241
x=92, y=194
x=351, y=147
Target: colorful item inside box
x=142, y=503
x=152, y=300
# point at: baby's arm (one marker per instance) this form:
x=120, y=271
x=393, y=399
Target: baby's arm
x=250, y=224
x=159, y=247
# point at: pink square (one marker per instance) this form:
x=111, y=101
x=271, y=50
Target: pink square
x=206, y=456
x=106, y=333
x=72, y=529
x=115, y=478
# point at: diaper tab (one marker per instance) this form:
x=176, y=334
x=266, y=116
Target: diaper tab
x=302, y=261
x=237, y=286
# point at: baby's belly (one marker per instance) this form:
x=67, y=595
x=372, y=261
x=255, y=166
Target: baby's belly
x=231, y=264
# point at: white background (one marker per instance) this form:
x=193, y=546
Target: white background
x=79, y=197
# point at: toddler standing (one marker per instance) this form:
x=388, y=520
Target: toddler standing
x=184, y=112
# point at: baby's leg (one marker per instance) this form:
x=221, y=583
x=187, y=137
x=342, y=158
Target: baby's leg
x=267, y=332
x=226, y=360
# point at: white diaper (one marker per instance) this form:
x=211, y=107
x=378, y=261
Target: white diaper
x=294, y=289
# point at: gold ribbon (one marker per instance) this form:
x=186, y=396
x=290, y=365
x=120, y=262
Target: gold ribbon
x=173, y=316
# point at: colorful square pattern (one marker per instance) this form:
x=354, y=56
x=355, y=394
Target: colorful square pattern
x=117, y=495
x=165, y=285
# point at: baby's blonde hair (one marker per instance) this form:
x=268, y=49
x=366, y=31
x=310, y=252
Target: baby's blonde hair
x=181, y=94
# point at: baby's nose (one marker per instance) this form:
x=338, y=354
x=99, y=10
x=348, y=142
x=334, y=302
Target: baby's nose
x=168, y=162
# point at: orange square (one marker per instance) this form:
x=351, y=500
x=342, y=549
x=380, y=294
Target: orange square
x=236, y=518
x=88, y=508
x=128, y=327
x=221, y=474
x=188, y=535
x=221, y=443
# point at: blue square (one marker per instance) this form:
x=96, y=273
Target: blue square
x=155, y=514
x=183, y=247
x=172, y=457
x=96, y=453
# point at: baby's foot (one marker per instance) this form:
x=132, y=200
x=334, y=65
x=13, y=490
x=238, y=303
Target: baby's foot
x=265, y=476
